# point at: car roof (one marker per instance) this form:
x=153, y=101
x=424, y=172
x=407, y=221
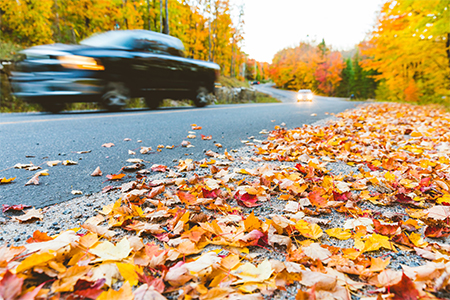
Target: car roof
x=304, y=91
x=125, y=38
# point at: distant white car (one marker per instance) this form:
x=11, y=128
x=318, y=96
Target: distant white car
x=305, y=95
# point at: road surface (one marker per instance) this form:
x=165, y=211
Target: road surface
x=40, y=137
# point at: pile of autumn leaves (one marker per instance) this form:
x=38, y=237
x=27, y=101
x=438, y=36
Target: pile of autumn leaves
x=196, y=237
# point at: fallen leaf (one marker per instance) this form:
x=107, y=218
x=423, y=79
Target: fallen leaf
x=158, y=168
x=34, y=180
x=404, y=290
x=250, y=273
x=10, y=286
x=97, y=172
x=108, y=145
x=53, y=163
x=145, y=292
x=4, y=180
x=115, y=176
x=16, y=207
x=108, y=251
x=125, y=293
x=30, y=215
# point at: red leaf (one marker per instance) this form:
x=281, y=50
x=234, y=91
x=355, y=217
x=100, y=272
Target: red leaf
x=247, y=200
x=210, y=194
x=187, y=197
x=316, y=199
x=402, y=198
x=159, y=168
x=402, y=239
x=436, y=232
x=6, y=207
x=204, y=137
x=341, y=197
x=10, y=286
x=384, y=229
x=404, y=290
x=89, y=289
x=253, y=237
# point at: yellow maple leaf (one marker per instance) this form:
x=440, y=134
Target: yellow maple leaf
x=377, y=241
x=417, y=240
x=252, y=222
x=339, y=233
x=377, y=264
x=312, y=231
x=351, y=253
x=249, y=273
x=129, y=272
x=34, y=260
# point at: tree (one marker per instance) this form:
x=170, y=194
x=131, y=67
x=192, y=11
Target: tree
x=409, y=49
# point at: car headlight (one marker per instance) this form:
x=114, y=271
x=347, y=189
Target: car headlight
x=80, y=62
x=310, y=96
x=299, y=97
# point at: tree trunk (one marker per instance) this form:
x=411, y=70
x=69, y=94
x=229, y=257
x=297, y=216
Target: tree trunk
x=160, y=16
x=448, y=48
x=58, y=31
x=209, y=39
x=124, y=3
x=148, y=15
x=166, y=21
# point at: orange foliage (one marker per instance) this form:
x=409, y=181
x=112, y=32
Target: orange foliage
x=308, y=66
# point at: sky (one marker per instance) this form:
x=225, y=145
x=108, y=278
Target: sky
x=272, y=25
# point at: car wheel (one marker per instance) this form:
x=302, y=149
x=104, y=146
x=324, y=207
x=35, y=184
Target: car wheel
x=201, y=97
x=115, y=96
x=153, y=101
x=53, y=107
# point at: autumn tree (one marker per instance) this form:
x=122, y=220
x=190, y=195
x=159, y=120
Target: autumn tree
x=409, y=48
x=309, y=67
x=26, y=22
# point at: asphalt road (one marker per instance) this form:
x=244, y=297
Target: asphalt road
x=40, y=137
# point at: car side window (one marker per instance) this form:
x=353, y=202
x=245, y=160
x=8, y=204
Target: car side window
x=151, y=46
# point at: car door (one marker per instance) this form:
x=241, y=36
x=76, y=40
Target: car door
x=151, y=67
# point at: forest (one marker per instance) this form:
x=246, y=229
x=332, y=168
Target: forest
x=204, y=26
x=406, y=57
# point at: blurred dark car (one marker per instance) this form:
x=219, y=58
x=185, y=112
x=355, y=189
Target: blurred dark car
x=110, y=68
x=255, y=82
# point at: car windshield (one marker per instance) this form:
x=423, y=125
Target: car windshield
x=111, y=39
x=304, y=91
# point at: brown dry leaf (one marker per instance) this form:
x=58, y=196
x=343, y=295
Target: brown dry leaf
x=34, y=180
x=30, y=215
x=97, y=172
